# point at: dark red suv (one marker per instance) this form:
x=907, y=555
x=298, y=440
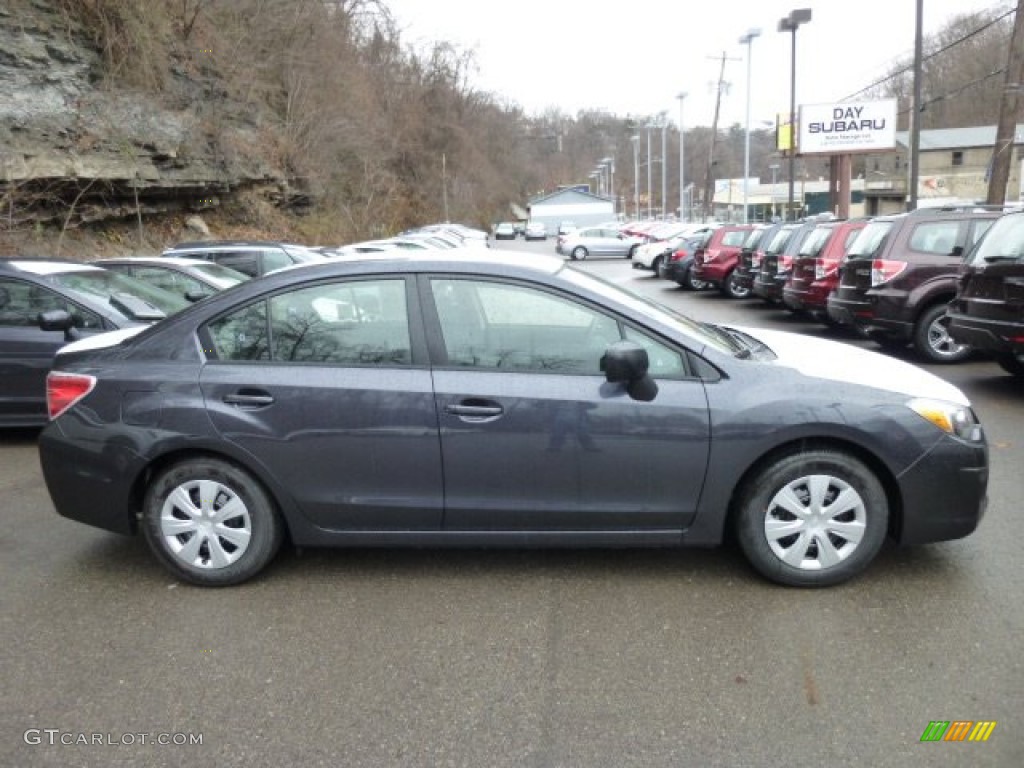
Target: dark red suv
x=902, y=271
x=815, y=271
x=988, y=311
x=716, y=263
x=778, y=260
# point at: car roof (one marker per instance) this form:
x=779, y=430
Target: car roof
x=157, y=261
x=49, y=266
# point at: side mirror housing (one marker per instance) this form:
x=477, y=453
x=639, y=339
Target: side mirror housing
x=57, y=320
x=626, y=362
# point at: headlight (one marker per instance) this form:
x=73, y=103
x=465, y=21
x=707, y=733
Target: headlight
x=953, y=419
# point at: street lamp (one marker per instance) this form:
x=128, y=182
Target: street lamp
x=747, y=40
x=609, y=163
x=775, y=169
x=664, y=170
x=682, y=166
x=790, y=24
x=649, y=127
x=635, y=138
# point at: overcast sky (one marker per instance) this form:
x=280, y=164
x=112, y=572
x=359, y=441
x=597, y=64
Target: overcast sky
x=634, y=57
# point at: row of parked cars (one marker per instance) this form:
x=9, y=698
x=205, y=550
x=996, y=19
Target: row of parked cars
x=46, y=303
x=947, y=281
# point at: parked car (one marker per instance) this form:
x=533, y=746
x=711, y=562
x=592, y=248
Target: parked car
x=679, y=266
x=748, y=264
x=502, y=401
x=251, y=257
x=716, y=262
x=536, y=230
x=988, y=311
x=815, y=272
x=506, y=230
x=774, y=270
x=44, y=304
x=900, y=274
x=660, y=243
x=597, y=241
x=194, y=279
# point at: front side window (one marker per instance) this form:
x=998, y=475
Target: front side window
x=169, y=280
x=938, y=237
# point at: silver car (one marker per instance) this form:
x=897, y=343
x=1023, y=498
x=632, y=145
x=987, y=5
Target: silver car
x=597, y=241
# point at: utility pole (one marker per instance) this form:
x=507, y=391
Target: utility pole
x=709, y=179
x=1011, y=111
x=915, y=112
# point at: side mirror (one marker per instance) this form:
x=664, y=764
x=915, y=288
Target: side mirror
x=626, y=362
x=196, y=295
x=57, y=320
x=957, y=252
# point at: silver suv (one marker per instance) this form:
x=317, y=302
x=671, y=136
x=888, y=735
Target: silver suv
x=252, y=257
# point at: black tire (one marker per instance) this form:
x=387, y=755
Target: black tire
x=631, y=251
x=889, y=343
x=691, y=283
x=656, y=265
x=932, y=340
x=731, y=289
x=1012, y=364
x=191, y=555
x=858, y=528
x=579, y=253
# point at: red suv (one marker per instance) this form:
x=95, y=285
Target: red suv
x=716, y=263
x=902, y=271
x=815, y=271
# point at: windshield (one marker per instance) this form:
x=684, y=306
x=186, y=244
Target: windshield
x=870, y=240
x=302, y=254
x=100, y=285
x=1004, y=241
x=815, y=241
x=708, y=334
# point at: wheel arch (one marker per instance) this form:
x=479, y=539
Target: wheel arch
x=836, y=444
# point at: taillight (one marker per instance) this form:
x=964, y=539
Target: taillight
x=755, y=259
x=63, y=390
x=884, y=270
x=824, y=267
x=785, y=263
x=677, y=256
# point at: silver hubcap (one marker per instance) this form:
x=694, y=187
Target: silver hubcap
x=205, y=524
x=815, y=522
x=941, y=342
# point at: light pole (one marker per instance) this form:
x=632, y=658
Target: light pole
x=747, y=40
x=682, y=165
x=609, y=163
x=635, y=138
x=649, y=127
x=664, y=170
x=790, y=24
x=775, y=169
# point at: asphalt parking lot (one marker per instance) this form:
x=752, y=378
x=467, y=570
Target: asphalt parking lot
x=466, y=658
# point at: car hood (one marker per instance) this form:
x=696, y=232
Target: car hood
x=836, y=361
x=102, y=340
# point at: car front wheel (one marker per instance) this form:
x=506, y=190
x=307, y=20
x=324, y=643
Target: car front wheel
x=579, y=253
x=812, y=519
x=210, y=523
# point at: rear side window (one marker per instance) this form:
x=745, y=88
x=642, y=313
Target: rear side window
x=273, y=259
x=242, y=335
x=938, y=237
x=1004, y=242
x=246, y=262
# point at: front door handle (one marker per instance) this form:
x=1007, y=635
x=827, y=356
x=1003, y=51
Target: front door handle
x=475, y=410
x=249, y=399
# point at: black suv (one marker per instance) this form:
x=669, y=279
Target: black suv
x=902, y=271
x=770, y=278
x=988, y=311
x=251, y=257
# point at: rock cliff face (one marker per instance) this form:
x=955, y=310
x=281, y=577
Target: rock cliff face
x=73, y=149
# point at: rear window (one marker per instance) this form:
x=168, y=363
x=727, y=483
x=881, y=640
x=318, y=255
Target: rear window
x=753, y=239
x=815, y=241
x=778, y=243
x=1004, y=242
x=870, y=240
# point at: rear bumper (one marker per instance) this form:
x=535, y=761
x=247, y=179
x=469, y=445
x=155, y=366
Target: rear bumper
x=811, y=298
x=987, y=335
x=770, y=289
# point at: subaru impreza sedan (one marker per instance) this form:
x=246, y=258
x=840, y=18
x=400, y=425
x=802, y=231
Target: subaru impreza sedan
x=441, y=399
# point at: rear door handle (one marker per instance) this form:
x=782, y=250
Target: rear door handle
x=249, y=399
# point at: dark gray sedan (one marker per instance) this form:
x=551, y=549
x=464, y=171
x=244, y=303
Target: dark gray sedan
x=512, y=402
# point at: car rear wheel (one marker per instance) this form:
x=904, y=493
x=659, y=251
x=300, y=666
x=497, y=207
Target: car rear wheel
x=691, y=283
x=579, y=253
x=732, y=289
x=932, y=340
x=812, y=519
x=656, y=265
x=1013, y=364
x=210, y=523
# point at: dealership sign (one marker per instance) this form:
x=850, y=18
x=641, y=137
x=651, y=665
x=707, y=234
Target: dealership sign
x=836, y=129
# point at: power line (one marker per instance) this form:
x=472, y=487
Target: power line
x=933, y=54
x=959, y=90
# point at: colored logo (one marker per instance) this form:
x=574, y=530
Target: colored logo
x=958, y=730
